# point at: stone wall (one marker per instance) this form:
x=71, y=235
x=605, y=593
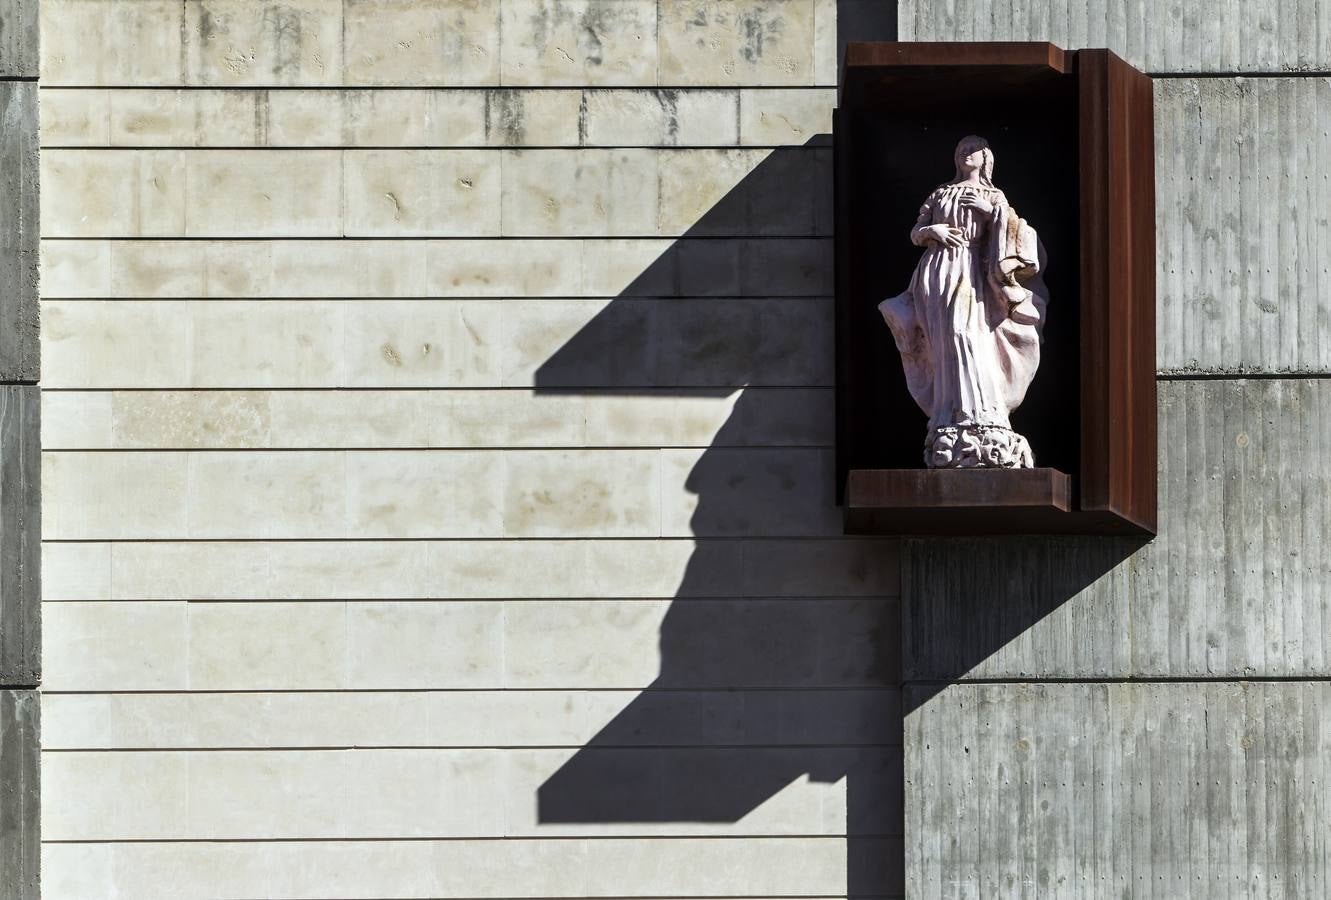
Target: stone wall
x=1094, y=719
x=437, y=456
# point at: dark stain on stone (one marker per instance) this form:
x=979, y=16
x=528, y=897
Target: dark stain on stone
x=506, y=116
x=669, y=101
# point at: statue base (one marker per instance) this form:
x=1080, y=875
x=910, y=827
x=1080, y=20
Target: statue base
x=977, y=447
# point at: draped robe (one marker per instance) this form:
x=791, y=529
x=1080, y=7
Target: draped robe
x=968, y=326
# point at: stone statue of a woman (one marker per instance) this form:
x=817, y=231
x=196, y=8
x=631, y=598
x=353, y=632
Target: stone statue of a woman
x=968, y=327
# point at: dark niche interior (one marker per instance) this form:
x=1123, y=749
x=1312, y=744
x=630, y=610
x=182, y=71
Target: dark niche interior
x=902, y=111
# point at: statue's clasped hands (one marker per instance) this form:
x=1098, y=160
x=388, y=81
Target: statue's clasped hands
x=978, y=204
x=947, y=235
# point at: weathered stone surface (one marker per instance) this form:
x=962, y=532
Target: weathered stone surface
x=402, y=42
x=1118, y=790
x=1237, y=584
x=696, y=644
x=481, y=719
x=1221, y=36
x=449, y=343
x=20, y=354
x=20, y=535
x=19, y=40
x=762, y=42
x=561, y=42
x=294, y=419
x=1242, y=178
x=604, y=867
x=91, y=42
x=20, y=838
x=724, y=492
x=241, y=42
x=470, y=569
x=133, y=269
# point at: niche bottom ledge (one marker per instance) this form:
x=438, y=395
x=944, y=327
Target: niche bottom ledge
x=961, y=502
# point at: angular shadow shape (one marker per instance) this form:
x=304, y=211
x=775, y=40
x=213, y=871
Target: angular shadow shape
x=760, y=684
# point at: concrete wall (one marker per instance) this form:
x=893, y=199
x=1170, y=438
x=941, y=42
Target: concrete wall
x=437, y=456
x=1095, y=719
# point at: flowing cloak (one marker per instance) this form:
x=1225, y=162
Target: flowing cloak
x=969, y=325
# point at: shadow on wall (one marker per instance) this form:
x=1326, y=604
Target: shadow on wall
x=759, y=690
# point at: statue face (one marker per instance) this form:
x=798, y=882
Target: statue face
x=972, y=161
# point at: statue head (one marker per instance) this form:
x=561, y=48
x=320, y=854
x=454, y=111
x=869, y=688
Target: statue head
x=973, y=153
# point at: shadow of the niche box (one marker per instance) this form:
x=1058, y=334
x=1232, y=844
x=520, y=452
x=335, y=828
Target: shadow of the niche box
x=756, y=689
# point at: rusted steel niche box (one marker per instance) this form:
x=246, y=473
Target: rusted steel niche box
x=1072, y=134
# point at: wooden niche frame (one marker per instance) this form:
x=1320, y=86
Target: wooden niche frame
x=1073, y=141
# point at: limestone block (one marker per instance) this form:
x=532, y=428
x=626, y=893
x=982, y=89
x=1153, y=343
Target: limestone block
x=657, y=343
x=204, y=193
x=344, y=269
x=784, y=192
x=146, y=420
x=90, y=795
x=242, y=42
x=504, y=268
x=401, y=42
x=94, y=193
x=748, y=491
x=663, y=117
x=759, y=42
x=91, y=42
x=776, y=867
x=424, y=793
x=577, y=42
x=507, y=419
x=516, y=118
x=244, y=344
x=484, y=719
x=115, y=646
x=285, y=570
x=565, y=193
x=88, y=344
x=268, y=495
x=405, y=494
x=471, y=569
x=76, y=571
x=182, y=118
x=349, y=419
x=89, y=494
x=285, y=646
x=423, y=344
x=592, y=493
x=277, y=193
x=74, y=118
x=265, y=794
x=796, y=267
x=776, y=117
x=407, y=646
x=422, y=192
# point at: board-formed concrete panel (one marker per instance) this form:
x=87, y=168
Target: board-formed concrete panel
x=20, y=535
x=1259, y=36
x=1242, y=180
x=19, y=230
x=18, y=39
x=1235, y=584
x=1118, y=790
x=20, y=836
